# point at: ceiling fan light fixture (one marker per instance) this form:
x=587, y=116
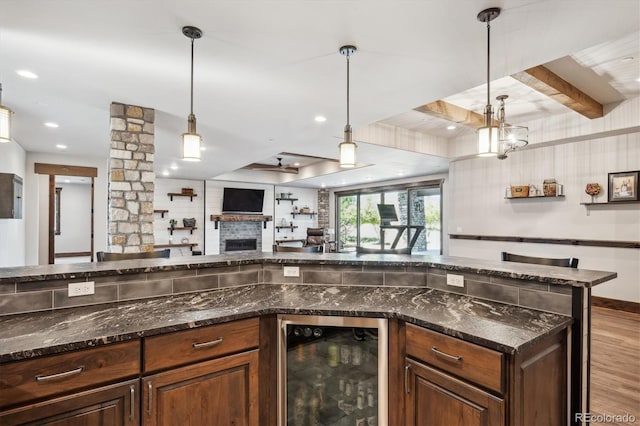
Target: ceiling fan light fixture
x=191, y=139
x=5, y=121
x=348, y=147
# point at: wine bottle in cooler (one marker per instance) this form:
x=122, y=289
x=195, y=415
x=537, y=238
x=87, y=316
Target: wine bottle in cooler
x=360, y=414
x=370, y=411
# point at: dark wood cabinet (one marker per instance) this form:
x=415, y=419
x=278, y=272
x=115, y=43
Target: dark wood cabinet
x=114, y=405
x=222, y=391
x=10, y=196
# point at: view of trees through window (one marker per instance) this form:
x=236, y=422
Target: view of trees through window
x=358, y=219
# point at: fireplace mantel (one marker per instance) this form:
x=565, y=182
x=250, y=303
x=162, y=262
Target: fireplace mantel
x=217, y=218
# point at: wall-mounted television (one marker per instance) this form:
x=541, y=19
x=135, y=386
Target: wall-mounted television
x=387, y=213
x=241, y=200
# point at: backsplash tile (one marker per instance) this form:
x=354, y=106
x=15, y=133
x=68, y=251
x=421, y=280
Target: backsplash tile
x=103, y=294
x=25, y=302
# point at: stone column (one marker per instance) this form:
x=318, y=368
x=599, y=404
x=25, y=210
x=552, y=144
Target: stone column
x=323, y=208
x=131, y=179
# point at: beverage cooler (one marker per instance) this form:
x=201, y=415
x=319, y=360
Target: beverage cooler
x=333, y=371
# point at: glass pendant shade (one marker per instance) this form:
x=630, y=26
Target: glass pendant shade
x=488, y=141
x=191, y=146
x=5, y=124
x=348, y=154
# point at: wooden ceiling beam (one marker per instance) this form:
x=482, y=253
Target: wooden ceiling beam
x=454, y=113
x=546, y=82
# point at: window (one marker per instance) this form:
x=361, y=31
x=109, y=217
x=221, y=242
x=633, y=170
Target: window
x=416, y=204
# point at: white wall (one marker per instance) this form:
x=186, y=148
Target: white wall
x=179, y=208
x=478, y=207
x=36, y=202
x=75, y=218
x=13, y=231
x=214, y=206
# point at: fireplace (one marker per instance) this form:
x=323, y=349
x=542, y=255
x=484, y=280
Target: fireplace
x=240, y=244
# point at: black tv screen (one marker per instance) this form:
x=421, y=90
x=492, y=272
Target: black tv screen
x=387, y=213
x=240, y=200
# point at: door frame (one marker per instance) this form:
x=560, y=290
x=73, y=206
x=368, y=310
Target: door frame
x=64, y=170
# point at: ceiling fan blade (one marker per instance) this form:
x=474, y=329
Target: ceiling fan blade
x=270, y=168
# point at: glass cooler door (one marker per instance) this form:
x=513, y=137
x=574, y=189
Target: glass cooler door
x=333, y=371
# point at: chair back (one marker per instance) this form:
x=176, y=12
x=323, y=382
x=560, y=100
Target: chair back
x=305, y=249
x=570, y=262
x=315, y=237
x=107, y=257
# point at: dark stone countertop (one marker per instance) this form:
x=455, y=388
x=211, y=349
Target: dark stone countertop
x=524, y=271
x=498, y=326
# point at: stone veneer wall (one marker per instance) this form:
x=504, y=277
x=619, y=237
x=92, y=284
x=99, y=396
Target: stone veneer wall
x=236, y=230
x=53, y=294
x=323, y=208
x=131, y=179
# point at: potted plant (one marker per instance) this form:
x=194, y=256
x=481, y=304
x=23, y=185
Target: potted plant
x=173, y=223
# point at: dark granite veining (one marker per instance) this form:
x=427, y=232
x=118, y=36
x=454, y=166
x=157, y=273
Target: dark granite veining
x=522, y=271
x=502, y=327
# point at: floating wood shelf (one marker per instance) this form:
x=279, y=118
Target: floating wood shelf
x=290, y=240
x=179, y=194
x=217, y=218
x=162, y=212
x=182, y=228
x=606, y=203
x=190, y=245
x=534, y=196
x=286, y=199
x=292, y=227
x=311, y=214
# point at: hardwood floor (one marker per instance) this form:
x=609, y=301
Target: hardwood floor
x=615, y=364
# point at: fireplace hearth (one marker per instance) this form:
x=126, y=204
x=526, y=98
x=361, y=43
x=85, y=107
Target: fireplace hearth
x=240, y=244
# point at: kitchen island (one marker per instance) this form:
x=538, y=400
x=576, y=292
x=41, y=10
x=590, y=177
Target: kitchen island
x=490, y=309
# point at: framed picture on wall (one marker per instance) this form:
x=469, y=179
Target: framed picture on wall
x=623, y=186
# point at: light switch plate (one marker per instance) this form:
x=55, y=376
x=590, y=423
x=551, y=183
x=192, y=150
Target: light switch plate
x=455, y=280
x=291, y=271
x=81, y=289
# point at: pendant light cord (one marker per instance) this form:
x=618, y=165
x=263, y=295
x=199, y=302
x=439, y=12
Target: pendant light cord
x=348, y=88
x=488, y=62
x=192, y=43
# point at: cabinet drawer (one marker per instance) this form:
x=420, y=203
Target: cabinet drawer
x=184, y=347
x=32, y=379
x=467, y=360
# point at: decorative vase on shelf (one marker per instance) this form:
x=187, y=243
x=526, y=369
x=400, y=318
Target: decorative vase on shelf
x=593, y=189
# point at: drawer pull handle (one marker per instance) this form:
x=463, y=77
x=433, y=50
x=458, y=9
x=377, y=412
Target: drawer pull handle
x=41, y=378
x=132, y=403
x=445, y=355
x=207, y=344
x=406, y=378
x=150, y=400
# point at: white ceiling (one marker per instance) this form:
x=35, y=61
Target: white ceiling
x=264, y=69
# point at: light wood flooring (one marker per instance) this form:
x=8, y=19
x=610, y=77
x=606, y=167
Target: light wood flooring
x=615, y=363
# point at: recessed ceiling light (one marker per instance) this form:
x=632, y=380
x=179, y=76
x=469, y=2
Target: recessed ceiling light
x=369, y=178
x=400, y=173
x=165, y=173
x=174, y=167
x=52, y=125
x=296, y=164
x=451, y=127
x=60, y=146
x=323, y=185
x=27, y=74
x=320, y=118
x=627, y=59
x=638, y=79
x=67, y=181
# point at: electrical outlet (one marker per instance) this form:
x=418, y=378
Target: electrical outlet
x=291, y=271
x=81, y=289
x=455, y=280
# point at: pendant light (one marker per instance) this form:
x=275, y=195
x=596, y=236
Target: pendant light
x=5, y=121
x=503, y=138
x=191, y=140
x=488, y=134
x=348, y=147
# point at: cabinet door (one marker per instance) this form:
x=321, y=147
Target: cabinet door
x=222, y=391
x=433, y=398
x=114, y=405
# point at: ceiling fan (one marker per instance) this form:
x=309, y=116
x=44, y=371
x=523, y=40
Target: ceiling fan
x=281, y=168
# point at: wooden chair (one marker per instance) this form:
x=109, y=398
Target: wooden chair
x=570, y=262
x=107, y=257
x=315, y=237
x=306, y=249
